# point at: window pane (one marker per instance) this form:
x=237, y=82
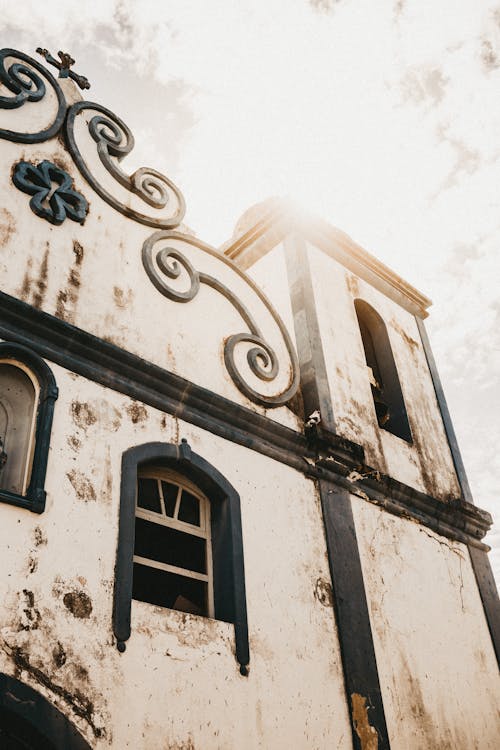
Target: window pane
x=169, y=496
x=148, y=496
x=189, y=510
x=17, y=402
x=170, y=546
x=169, y=590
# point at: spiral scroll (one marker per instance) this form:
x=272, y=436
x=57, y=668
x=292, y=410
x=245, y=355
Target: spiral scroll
x=26, y=81
x=114, y=140
x=261, y=357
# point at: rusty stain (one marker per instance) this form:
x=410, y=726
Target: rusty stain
x=367, y=734
x=163, y=422
x=122, y=299
x=137, y=412
x=74, y=443
x=67, y=298
x=323, y=592
x=32, y=564
x=41, y=282
x=7, y=226
x=59, y=655
x=83, y=414
x=181, y=745
x=40, y=538
x=26, y=285
x=82, y=486
x=78, y=603
x=31, y=619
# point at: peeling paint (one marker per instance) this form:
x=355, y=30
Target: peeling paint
x=367, y=734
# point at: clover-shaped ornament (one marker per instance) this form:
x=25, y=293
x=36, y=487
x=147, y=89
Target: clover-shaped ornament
x=51, y=187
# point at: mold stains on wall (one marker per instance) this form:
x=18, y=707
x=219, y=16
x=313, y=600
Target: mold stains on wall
x=83, y=415
x=323, y=592
x=67, y=299
x=137, y=412
x=82, y=485
x=82, y=706
x=74, y=443
x=7, y=226
x=121, y=298
x=59, y=655
x=40, y=538
x=78, y=603
x=367, y=734
x=34, y=286
x=29, y=615
x=187, y=744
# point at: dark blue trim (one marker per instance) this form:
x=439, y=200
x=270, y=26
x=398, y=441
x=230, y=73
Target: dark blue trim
x=227, y=541
x=35, y=496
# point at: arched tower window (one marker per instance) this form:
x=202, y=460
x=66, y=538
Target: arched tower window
x=382, y=373
x=27, y=395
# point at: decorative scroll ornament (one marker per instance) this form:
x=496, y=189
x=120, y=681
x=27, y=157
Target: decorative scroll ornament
x=51, y=187
x=163, y=263
x=27, y=82
x=114, y=141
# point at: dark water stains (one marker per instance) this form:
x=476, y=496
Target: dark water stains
x=78, y=603
x=74, y=443
x=41, y=282
x=24, y=292
x=59, y=655
x=323, y=592
x=82, y=486
x=83, y=414
x=187, y=744
x=32, y=564
x=67, y=298
x=7, y=226
x=31, y=620
x=137, y=412
x=40, y=538
x=79, y=703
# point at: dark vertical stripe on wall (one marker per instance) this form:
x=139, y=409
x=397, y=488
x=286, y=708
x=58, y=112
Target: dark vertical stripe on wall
x=366, y=709
x=479, y=559
x=313, y=373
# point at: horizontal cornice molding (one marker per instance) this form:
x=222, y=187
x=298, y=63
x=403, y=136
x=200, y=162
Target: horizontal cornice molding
x=318, y=455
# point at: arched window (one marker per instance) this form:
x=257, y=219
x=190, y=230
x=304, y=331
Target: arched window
x=382, y=373
x=27, y=395
x=28, y=721
x=180, y=543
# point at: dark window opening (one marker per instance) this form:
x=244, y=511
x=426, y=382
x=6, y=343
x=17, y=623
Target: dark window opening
x=382, y=373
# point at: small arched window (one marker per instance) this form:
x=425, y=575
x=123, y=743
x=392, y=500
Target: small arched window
x=382, y=373
x=180, y=542
x=27, y=395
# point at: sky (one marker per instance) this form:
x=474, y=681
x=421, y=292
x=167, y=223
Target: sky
x=381, y=117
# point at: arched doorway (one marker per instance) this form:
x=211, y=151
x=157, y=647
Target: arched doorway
x=29, y=722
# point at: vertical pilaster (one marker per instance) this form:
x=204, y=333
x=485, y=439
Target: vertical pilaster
x=364, y=698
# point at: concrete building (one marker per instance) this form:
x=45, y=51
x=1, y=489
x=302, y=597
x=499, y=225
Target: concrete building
x=233, y=511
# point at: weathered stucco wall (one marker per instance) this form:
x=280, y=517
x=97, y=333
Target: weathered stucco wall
x=177, y=685
x=438, y=671
x=92, y=276
x=426, y=463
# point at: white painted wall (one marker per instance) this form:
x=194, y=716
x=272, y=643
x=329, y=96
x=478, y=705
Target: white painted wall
x=177, y=684
x=438, y=672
